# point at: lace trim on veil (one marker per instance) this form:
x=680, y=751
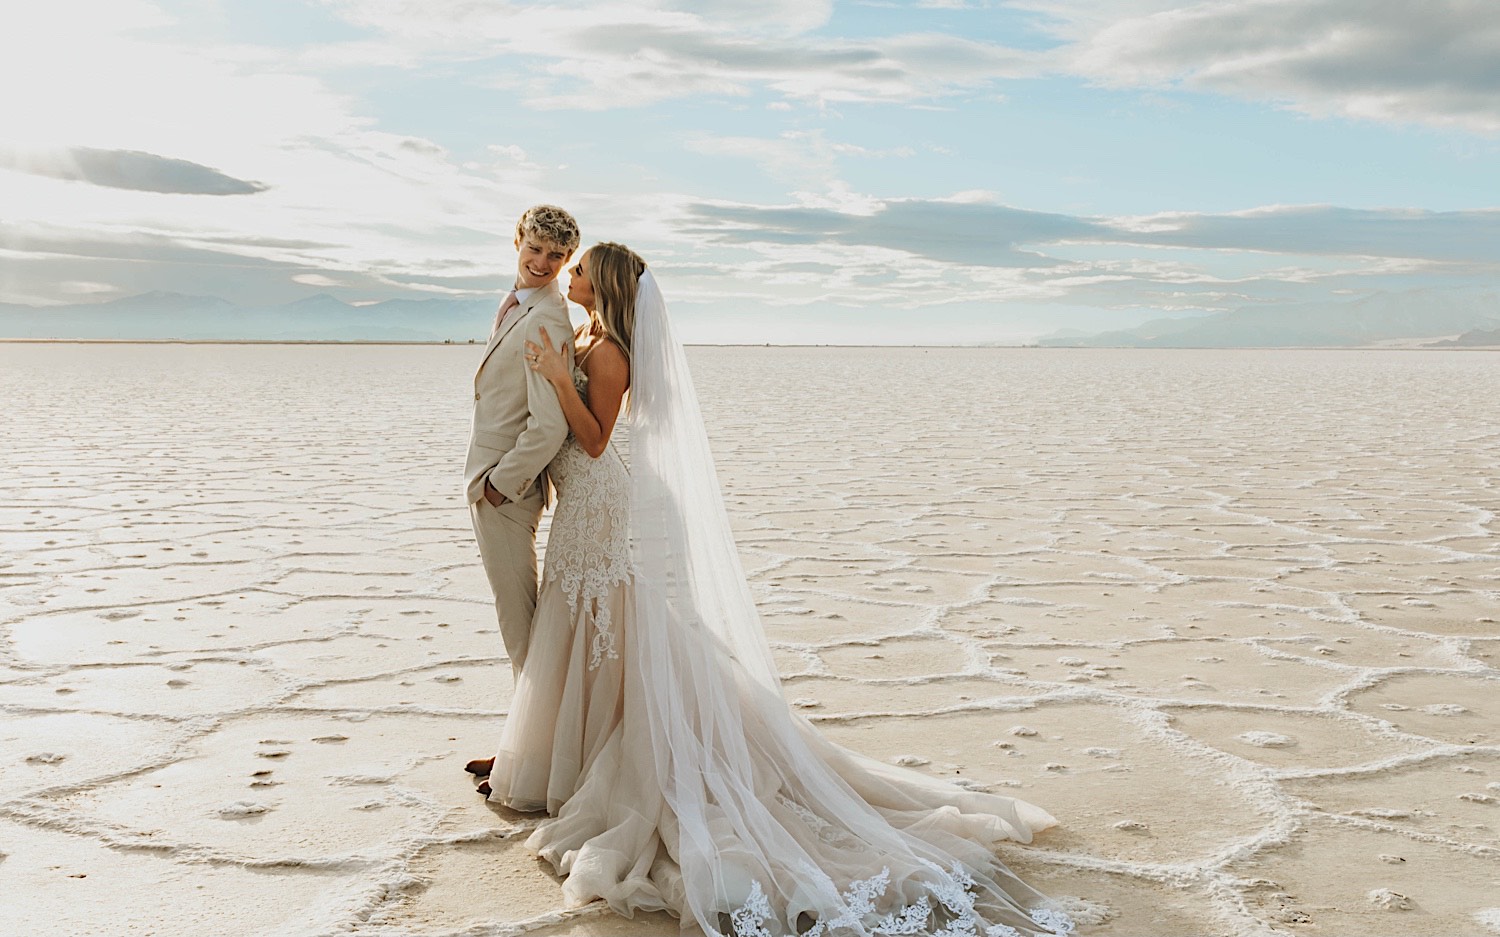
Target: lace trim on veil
x=953, y=892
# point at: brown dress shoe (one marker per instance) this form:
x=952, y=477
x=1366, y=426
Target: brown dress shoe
x=483, y=788
x=480, y=767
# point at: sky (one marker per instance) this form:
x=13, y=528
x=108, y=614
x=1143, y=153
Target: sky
x=795, y=171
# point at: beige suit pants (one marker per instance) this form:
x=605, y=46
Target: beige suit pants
x=507, y=545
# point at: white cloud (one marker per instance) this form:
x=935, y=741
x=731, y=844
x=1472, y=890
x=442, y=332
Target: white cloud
x=609, y=55
x=977, y=231
x=1386, y=60
x=85, y=288
x=125, y=169
x=936, y=252
x=139, y=112
x=315, y=279
x=1413, y=234
x=805, y=159
x=352, y=204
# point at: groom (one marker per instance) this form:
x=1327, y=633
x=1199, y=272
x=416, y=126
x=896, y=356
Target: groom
x=519, y=424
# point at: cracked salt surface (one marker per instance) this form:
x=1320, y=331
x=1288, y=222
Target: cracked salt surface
x=1233, y=622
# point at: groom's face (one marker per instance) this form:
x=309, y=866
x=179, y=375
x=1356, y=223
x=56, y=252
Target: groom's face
x=539, y=262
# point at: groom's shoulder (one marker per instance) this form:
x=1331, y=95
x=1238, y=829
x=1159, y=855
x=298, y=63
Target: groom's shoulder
x=551, y=306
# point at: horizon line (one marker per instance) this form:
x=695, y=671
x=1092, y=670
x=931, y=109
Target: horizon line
x=972, y=345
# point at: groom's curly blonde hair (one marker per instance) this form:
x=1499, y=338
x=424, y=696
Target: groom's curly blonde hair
x=549, y=223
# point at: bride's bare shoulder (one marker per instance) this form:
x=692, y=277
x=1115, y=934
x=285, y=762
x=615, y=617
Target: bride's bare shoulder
x=603, y=356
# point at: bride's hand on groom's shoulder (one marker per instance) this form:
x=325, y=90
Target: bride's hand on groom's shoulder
x=546, y=360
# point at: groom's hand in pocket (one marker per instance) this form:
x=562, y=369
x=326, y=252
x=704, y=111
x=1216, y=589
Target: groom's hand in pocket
x=494, y=497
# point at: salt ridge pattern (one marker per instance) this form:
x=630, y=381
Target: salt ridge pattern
x=1230, y=616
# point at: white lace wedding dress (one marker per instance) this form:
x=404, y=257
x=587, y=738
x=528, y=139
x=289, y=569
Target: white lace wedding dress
x=675, y=775
x=569, y=697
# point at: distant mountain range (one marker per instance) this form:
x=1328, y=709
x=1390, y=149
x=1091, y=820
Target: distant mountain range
x=1475, y=338
x=1408, y=317
x=1381, y=317
x=316, y=318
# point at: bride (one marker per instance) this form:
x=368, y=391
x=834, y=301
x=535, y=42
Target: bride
x=648, y=720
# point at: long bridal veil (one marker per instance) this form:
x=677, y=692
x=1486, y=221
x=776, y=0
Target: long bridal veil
x=778, y=831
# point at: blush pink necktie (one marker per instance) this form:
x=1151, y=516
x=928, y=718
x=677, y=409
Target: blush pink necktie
x=510, y=303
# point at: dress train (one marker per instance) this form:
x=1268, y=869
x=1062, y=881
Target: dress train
x=804, y=836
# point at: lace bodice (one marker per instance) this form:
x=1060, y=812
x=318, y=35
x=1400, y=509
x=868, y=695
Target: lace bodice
x=588, y=549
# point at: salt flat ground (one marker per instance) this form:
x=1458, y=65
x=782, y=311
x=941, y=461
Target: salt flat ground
x=1231, y=616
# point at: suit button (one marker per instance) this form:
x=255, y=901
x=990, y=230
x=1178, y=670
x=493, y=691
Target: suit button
x=476, y=396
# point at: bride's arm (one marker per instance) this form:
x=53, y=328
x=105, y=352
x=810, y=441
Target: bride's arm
x=609, y=375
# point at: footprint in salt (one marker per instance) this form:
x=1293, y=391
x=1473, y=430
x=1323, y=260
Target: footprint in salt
x=911, y=761
x=1266, y=739
x=45, y=758
x=1389, y=900
x=1388, y=813
x=243, y=808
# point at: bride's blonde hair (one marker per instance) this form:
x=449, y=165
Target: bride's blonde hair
x=614, y=271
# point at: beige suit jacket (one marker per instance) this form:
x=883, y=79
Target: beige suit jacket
x=518, y=423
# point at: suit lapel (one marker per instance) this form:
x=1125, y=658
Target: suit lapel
x=516, y=315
